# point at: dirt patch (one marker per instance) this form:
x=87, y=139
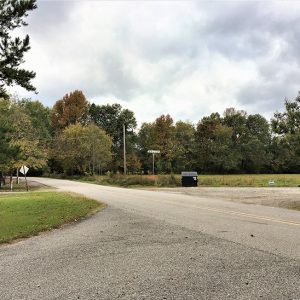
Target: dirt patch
x=21, y=187
x=36, y=185
x=276, y=197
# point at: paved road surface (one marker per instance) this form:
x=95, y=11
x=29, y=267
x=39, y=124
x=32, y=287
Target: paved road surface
x=158, y=245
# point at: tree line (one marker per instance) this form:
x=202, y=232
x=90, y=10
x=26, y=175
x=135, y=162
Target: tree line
x=79, y=137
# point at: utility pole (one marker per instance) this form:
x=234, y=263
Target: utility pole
x=124, y=149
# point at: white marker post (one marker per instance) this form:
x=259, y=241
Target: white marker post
x=24, y=171
x=153, y=155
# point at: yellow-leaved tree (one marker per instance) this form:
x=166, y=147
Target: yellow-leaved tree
x=82, y=149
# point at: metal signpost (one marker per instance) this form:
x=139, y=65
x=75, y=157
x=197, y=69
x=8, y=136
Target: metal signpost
x=153, y=155
x=24, y=171
x=124, y=148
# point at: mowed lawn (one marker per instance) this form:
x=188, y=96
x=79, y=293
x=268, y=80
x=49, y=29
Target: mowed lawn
x=27, y=214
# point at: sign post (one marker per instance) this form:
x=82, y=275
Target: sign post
x=24, y=171
x=153, y=155
x=124, y=149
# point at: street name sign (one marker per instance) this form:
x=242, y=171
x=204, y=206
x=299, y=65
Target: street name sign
x=153, y=151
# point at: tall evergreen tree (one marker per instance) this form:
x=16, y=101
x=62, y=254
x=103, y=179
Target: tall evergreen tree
x=12, y=49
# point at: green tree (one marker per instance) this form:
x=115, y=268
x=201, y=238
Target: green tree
x=294, y=158
x=40, y=117
x=21, y=144
x=159, y=135
x=236, y=119
x=259, y=128
x=225, y=158
x=204, y=142
x=82, y=149
x=99, y=152
x=247, y=149
x=256, y=145
x=111, y=118
x=33, y=150
x=286, y=141
x=146, y=141
x=288, y=121
x=165, y=142
x=283, y=156
x=184, y=149
x=12, y=49
x=7, y=152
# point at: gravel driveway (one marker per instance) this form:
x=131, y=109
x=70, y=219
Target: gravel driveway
x=273, y=196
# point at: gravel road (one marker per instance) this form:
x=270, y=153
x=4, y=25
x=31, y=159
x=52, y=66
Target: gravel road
x=158, y=245
x=272, y=196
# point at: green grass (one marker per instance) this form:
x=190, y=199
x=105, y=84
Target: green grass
x=27, y=214
x=238, y=180
x=134, y=180
x=253, y=180
x=243, y=180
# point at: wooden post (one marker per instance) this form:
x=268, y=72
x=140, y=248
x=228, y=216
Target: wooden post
x=25, y=179
x=18, y=179
x=11, y=182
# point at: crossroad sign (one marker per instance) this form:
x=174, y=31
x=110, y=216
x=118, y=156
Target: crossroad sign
x=24, y=170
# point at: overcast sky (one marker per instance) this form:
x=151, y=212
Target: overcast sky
x=184, y=58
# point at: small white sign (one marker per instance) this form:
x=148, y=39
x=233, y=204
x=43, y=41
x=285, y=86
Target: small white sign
x=24, y=170
x=153, y=151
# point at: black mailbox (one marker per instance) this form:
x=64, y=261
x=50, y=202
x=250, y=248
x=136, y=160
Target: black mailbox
x=189, y=179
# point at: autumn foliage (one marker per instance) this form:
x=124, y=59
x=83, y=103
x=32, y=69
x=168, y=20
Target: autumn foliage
x=71, y=109
x=77, y=137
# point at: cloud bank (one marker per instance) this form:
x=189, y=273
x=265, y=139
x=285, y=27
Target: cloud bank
x=188, y=59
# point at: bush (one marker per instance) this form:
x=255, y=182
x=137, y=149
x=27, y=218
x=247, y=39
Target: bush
x=136, y=180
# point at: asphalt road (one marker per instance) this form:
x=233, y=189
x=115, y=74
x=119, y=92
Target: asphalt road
x=158, y=245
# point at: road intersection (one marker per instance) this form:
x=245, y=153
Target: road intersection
x=158, y=245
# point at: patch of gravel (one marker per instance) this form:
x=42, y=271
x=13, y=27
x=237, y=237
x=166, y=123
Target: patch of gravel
x=273, y=196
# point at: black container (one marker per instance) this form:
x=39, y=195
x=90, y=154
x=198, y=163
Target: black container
x=189, y=179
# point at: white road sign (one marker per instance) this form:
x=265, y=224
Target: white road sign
x=153, y=151
x=24, y=170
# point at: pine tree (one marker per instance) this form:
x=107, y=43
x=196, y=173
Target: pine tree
x=12, y=50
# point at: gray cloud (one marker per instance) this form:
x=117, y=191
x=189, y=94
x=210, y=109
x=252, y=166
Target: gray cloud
x=119, y=81
x=207, y=55
x=49, y=17
x=239, y=30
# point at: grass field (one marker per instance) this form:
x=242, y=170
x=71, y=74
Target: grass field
x=27, y=214
x=255, y=180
